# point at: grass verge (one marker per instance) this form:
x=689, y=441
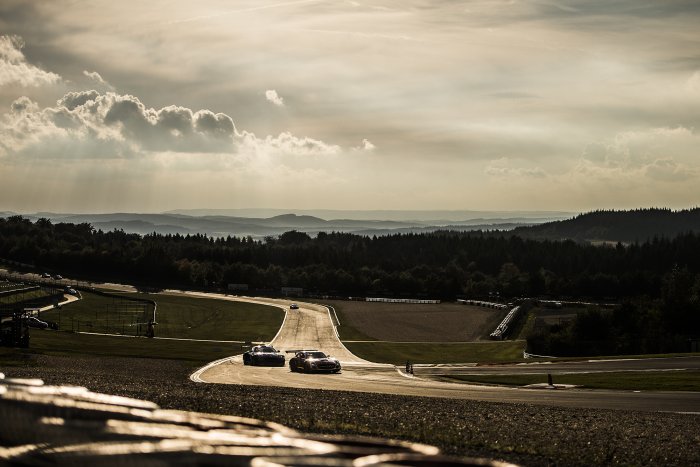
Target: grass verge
x=471, y=352
x=345, y=330
x=65, y=343
x=628, y=380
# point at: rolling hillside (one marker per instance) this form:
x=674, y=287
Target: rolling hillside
x=220, y=225
x=617, y=226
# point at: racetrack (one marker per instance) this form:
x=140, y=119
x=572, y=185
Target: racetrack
x=311, y=327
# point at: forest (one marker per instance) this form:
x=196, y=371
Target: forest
x=657, y=280
x=437, y=265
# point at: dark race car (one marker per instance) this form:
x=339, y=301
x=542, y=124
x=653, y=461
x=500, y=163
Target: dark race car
x=34, y=322
x=313, y=361
x=264, y=355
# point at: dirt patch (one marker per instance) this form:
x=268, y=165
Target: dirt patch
x=408, y=322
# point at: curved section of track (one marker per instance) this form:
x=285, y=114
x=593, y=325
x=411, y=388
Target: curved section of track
x=310, y=327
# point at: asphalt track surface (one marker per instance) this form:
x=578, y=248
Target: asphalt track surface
x=311, y=327
x=613, y=365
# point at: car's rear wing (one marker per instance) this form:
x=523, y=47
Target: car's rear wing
x=301, y=350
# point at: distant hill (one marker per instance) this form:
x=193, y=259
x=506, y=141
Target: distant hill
x=431, y=217
x=617, y=226
x=594, y=227
x=219, y=225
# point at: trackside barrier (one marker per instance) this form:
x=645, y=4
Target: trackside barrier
x=68, y=425
x=400, y=300
x=533, y=355
x=502, y=328
x=498, y=306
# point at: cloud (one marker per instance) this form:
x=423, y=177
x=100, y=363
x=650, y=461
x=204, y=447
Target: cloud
x=668, y=170
x=638, y=148
x=24, y=104
x=93, y=124
x=113, y=125
x=665, y=170
x=272, y=96
x=366, y=145
x=501, y=168
x=651, y=155
x=14, y=68
x=692, y=85
x=97, y=80
x=287, y=144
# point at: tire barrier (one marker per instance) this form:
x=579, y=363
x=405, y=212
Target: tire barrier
x=49, y=425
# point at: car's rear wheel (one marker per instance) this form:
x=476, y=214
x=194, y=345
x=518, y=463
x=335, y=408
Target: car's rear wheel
x=246, y=359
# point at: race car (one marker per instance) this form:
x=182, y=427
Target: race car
x=34, y=322
x=264, y=355
x=293, y=306
x=313, y=361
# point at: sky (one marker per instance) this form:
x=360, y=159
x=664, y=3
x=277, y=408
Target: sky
x=408, y=105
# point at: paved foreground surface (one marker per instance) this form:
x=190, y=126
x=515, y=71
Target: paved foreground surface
x=53, y=425
x=311, y=327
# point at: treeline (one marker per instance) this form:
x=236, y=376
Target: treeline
x=437, y=265
x=636, y=225
x=670, y=323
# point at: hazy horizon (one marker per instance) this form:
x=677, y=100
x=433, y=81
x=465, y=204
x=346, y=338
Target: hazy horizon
x=416, y=105
x=328, y=214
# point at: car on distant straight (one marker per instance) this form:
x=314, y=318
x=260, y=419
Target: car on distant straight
x=293, y=306
x=263, y=355
x=46, y=275
x=58, y=277
x=313, y=361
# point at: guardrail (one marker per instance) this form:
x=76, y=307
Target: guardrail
x=502, y=328
x=400, y=300
x=482, y=303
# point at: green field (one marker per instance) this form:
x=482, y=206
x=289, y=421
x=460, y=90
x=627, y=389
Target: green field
x=632, y=380
x=469, y=352
x=178, y=316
